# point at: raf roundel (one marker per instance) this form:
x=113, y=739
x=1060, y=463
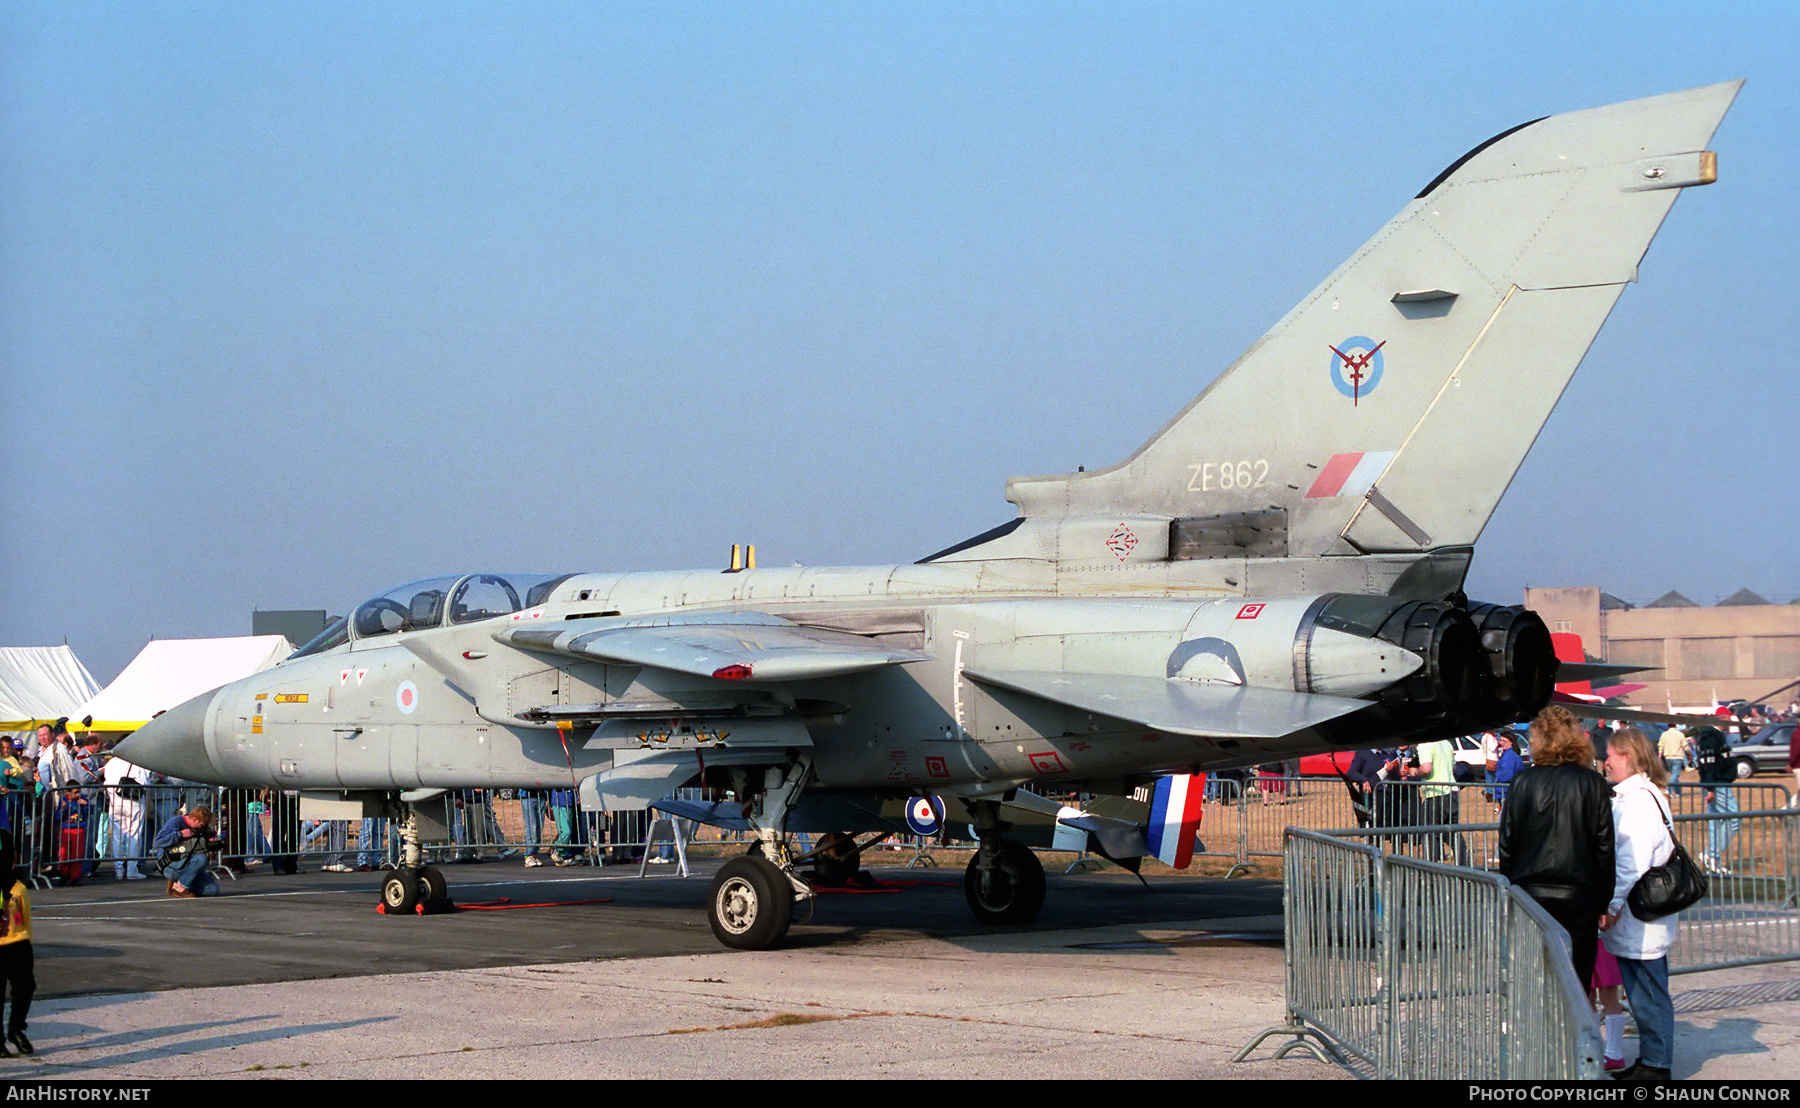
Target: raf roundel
x=1356, y=366
x=406, y=697
x=924, y=815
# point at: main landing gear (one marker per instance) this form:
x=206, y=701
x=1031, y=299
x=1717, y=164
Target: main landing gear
x=1005, y=881
x=752, y=899
x=751, y=902
x=1010, y=889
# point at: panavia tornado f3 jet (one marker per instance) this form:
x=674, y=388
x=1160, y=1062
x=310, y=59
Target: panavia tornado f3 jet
x=1278, y=571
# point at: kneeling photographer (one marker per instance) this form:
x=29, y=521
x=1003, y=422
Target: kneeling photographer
x=185, y=844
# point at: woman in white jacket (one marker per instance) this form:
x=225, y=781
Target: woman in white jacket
x=1642, y=839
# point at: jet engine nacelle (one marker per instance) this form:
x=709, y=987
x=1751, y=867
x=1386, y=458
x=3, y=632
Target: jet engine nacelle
x=1521, y=669
x=1482, y=667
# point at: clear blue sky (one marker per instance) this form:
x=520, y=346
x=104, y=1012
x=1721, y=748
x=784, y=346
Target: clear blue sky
x=299, y=301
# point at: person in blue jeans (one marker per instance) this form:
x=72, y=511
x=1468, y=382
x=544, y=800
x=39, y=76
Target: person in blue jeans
x=1718, y=780
x=1643, y=831
x=371, y=845
x=531, y=813
x=562, y=809
x=185, y=842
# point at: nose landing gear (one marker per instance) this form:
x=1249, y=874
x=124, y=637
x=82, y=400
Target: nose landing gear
x=414, y=889
x=409, y=891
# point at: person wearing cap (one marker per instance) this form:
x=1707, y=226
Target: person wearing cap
x=1507, y=765
x=90, y=768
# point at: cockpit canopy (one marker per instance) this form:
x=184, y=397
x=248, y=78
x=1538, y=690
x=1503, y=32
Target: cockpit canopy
x=435, y=601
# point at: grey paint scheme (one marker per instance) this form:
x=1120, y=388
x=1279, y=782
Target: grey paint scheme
x=1155, y=616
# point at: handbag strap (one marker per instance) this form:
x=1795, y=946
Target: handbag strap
x=1662, y=809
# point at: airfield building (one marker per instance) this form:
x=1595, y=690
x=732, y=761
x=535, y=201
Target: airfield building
x=1742, y=647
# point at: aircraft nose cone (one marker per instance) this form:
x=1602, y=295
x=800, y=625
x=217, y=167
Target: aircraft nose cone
x=175, y=742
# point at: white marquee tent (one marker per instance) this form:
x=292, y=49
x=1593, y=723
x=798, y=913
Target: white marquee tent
x=168, y=672
x=40, y=684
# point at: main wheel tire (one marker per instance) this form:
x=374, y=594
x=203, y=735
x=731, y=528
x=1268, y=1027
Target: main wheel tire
x=432, y=885
x=1746, y=767
x=1016, y=893
x=750, y=905
x=400, y=893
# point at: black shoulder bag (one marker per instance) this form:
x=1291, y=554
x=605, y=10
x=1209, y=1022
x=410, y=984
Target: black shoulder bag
x=1670, y=887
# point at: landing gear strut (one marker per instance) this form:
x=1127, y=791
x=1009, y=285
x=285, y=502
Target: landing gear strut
x=751, y=902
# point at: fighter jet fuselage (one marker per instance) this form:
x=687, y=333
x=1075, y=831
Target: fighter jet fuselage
x=984, y=699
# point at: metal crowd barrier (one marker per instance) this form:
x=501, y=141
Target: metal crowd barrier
x=1751, y=912
x=1411, y=969
x=69, y=834
x=1750, y=915
x=1249, y=824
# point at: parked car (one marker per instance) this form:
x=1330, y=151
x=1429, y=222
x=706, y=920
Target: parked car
x=1764, y=752
x=1471, y=760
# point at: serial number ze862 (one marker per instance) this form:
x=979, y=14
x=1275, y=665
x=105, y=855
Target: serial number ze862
x=1227, y=475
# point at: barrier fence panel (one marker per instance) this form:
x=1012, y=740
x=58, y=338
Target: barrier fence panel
x=1749, y=914
x=1422, y=970
x=1549, y=1029
x=1272, y=804
x=68, y=834
x=1474, y=845
x=1246, y=820
x=1446, y=967
x=1336, y=959
x=1760, y=795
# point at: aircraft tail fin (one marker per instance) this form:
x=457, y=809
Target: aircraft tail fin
x=1570, y=653
x=1389, y=410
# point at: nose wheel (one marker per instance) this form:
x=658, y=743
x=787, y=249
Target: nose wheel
x=403, y=890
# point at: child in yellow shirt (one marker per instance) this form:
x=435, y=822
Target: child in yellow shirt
x=15, y=949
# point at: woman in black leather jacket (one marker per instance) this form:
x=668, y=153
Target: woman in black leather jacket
x=1556, y=833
